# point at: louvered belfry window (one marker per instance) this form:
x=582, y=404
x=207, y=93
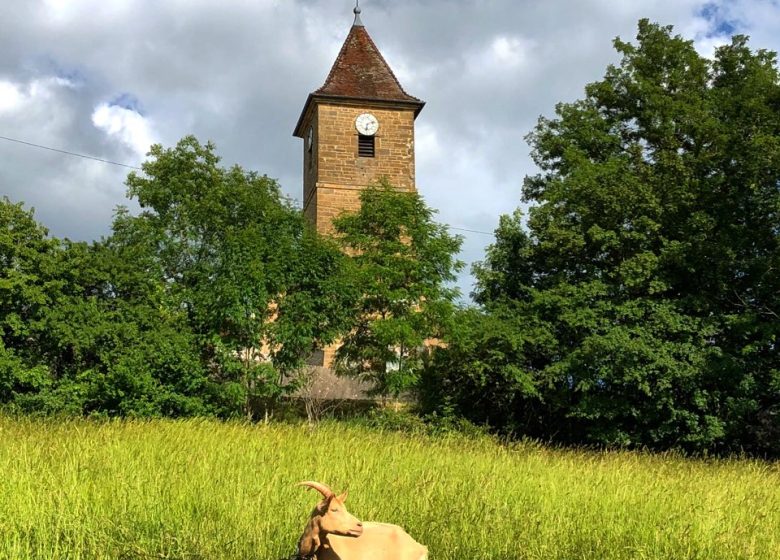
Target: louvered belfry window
x=366, y=146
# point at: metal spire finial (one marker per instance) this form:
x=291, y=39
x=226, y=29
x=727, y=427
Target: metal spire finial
x=357, y=11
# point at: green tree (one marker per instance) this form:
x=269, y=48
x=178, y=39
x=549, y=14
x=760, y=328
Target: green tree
x=83, y=331
x=113, y=347
x=27, y=257
x=651, y=253
x=486, y=371
x=259, y=289
x=402, y=265
x=212, y=294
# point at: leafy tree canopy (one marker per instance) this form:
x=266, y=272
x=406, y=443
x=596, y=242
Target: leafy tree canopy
x=26, y=259
x=211, y=295
x=83, y=331
x=257, y=285
x=650, y=256
x=403, y=264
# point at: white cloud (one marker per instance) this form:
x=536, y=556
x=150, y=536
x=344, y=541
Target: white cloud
x=68, y=12
x=501, y=57
x=33, y=95
x=74, y=197
x=129, y=127
x=427, y=147
x=511, y=51
x=37, y=110
x=10, y=96
x=238, y=73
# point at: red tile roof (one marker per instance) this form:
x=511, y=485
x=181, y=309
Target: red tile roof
x=361, y=72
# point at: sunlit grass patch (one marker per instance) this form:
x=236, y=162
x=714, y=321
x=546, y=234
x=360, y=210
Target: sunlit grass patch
x=212, y=490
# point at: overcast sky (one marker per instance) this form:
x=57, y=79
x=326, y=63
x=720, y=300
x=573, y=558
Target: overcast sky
x=109, y=77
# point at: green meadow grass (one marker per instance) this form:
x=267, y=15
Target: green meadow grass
x=212, y=490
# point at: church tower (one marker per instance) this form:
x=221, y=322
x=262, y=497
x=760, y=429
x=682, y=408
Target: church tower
x=358, y=127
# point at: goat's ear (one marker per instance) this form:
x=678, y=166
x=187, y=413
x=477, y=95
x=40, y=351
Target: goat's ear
x=310, y=540
x=343, y=497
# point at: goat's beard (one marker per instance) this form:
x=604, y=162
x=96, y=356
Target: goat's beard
x=310, y=540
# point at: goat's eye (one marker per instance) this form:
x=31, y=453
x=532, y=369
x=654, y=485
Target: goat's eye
x=334, y=510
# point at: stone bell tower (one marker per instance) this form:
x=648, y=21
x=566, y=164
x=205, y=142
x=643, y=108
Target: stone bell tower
x=358, y=127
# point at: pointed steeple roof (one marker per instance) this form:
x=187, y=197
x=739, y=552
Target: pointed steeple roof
x=361, y=73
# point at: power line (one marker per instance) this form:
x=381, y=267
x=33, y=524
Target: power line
x=472, y=231
x=139, y=169
x=69, y=153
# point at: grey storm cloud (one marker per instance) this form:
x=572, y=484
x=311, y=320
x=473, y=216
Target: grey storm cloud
x=106, y=78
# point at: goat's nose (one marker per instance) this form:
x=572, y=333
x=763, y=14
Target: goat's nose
x=359, y=524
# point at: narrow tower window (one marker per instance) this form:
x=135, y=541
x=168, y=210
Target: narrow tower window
x=365, y=145
x=310, y=141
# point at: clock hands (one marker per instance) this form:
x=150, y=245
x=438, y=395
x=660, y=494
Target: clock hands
x=366, y=124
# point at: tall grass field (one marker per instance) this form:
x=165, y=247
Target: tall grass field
x=212, y=490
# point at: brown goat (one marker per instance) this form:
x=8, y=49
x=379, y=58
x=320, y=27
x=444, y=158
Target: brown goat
x=332, y=533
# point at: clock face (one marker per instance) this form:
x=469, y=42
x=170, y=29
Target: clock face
x=311, y=136
x=366, y=124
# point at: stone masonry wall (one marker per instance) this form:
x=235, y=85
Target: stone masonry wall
x=337, y=156
x=334, y=175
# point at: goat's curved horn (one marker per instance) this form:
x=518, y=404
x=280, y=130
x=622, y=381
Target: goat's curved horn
x=319, y=487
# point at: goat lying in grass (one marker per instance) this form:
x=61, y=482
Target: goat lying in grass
x=333, y=533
